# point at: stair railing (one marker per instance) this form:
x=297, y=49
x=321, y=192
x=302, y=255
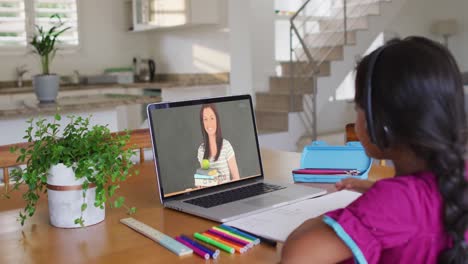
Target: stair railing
x=303, y=74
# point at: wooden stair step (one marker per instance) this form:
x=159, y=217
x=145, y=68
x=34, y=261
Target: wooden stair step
x=324, y=39
x=270, y=131
x=339, y=3
x=272, y=121
x=357, y=10
x=304, y=68
x=282, y=85
x=337, y=25
x=278, y=102
x=322, y=53
x=296, y=91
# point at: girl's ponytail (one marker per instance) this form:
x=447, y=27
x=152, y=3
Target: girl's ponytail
x=449, y=167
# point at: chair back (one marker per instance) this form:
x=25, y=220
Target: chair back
x=140, y=139
x=350, y=134
x=8, y=159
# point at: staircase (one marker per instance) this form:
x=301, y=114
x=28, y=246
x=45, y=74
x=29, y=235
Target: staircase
x=274, y=106
x=325, y=41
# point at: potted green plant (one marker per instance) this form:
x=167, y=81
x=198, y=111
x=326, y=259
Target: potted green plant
x=79, y=166
x=46, y=85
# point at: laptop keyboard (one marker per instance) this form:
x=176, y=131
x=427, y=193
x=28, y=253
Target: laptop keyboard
x=234, y=195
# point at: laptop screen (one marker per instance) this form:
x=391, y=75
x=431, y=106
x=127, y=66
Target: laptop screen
x=203, y=143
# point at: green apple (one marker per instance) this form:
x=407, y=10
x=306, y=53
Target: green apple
x=205, y=164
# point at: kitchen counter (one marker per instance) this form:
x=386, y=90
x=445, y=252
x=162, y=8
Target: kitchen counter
x=29, y=89
x=118, y=106
x=165, y=81
x=84, y=87
x=71, y=104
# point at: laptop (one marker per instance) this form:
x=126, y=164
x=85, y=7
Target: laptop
x=208, y=163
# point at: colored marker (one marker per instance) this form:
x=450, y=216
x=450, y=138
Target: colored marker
x=229, y=238
x=236, y=231
x=227, y=243
x=232, y=234
x=214, y=243
x=239, y=249
x=197, y=251
x=214, y=253
x=327, y=171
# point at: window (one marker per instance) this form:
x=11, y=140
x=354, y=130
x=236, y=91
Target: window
x=19, y=17
x=12, y=23
x=66, y=9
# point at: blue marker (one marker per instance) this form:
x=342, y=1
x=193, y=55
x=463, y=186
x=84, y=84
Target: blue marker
x=213, y=253
x=255, y=240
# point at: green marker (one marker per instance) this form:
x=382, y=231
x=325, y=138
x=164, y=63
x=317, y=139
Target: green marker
x=214, y=243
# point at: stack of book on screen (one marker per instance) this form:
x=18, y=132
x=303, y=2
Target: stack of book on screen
x=223, y=238
x=206, y=178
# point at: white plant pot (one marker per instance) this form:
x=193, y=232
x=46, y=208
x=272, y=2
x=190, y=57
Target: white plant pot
x=46, y=87
x=65, y=196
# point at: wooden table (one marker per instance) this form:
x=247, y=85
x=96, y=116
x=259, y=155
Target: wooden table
x=112, y=242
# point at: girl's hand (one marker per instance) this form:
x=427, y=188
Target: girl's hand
x=354, y=184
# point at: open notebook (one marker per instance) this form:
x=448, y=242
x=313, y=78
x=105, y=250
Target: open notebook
x=278, y=223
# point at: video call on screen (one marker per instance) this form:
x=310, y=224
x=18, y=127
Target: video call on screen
x=200, y=146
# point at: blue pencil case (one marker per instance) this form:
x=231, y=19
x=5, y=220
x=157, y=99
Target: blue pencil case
x=321, y=156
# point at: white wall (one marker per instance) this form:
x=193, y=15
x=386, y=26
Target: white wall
x=252, y=40
x=333, y=114
x=240, y=40
x=262, y=23
x=417, y=16
x=195, y=49
x=105, y=42
x=242, y=44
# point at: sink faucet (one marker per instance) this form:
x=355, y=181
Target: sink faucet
x=20, y=71
x=76, y=78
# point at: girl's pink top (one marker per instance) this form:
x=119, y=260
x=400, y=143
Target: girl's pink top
x=398, y=220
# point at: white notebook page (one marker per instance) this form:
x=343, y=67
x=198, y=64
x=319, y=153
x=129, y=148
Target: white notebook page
x=278, y=223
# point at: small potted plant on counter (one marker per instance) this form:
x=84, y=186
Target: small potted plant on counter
x=46, y=85
x=79, y=166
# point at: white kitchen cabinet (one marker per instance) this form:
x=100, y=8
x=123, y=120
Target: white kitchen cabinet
x=5, y=99
x=13, y=129
x=134, y=91
x=155, y=14
x=23, y=97
x=118, y=118
x=78, y=92
x=188, y=93
x=114, y=90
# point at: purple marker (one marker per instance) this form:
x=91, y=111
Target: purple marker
x=197, y=251
x=213, y=253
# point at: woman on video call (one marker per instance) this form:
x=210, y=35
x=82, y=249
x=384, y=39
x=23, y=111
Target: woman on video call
x=215, y=148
